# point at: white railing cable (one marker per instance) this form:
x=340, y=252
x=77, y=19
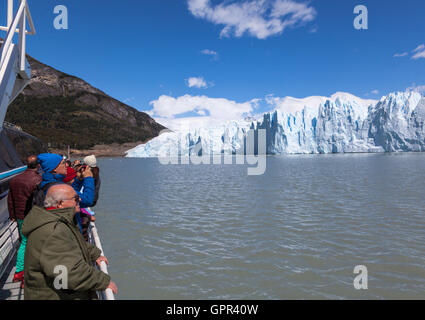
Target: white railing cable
x=22, y=14
x=107, y=294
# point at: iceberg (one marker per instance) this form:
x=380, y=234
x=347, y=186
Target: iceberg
x=342, y=123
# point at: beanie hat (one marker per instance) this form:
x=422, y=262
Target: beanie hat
x=49, y=161
x=70, y=174
x=90, y=161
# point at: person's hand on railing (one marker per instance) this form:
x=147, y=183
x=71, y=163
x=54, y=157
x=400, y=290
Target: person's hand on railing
x=100, y=259
x=113, y=287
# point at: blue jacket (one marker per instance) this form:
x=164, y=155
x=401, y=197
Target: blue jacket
x=50, y=177
x=87, y=196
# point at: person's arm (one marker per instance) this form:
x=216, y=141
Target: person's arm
x=87, y=196
x=61, y=255
x=94, y=252
x=77, y=185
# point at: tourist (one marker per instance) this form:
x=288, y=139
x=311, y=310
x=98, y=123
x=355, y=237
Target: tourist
x=70, y=176
x=54, y=169
x=92, y=163
x=19, y=202
x=76, y=163
x=55, y=249
x=84, y=186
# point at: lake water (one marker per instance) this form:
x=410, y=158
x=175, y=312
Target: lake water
x=296, y=232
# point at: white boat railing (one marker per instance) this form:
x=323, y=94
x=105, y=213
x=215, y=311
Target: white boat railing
x=21, y=17
x=94, y=239
x=9, y=243
x=15, y=70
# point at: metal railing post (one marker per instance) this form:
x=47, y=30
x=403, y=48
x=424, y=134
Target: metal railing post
x=22, y=39
x=9, y=12
x=11, y=31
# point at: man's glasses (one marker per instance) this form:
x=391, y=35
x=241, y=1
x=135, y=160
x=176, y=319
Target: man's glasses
x=76, y=198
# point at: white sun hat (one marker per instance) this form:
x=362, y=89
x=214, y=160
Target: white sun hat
x=90, y=161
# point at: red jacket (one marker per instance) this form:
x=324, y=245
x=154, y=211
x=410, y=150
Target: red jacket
x=21, y=187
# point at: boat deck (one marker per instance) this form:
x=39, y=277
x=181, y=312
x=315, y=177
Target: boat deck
x=10, y=290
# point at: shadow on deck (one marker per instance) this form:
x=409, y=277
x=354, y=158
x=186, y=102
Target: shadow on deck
x=10, y=290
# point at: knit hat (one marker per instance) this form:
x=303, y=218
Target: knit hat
x=90, y=161
x=70, y=174
x=49, y=161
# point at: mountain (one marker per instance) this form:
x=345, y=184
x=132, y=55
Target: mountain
x=342, y=123
x=65, y=110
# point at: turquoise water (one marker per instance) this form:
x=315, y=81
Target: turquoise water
x=296, y=232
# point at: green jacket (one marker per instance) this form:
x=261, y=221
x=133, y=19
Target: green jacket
x=54, y=240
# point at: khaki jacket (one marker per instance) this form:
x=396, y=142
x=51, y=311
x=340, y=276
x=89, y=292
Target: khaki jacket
x=55, y=244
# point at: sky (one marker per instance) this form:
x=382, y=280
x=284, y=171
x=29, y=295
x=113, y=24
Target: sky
x=226, y=58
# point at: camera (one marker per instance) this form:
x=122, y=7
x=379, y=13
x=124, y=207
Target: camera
x=81, y=168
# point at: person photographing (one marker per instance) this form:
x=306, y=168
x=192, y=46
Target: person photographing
x=83, y=184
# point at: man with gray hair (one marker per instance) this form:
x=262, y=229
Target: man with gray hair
x=59, y=264
x=19, y=201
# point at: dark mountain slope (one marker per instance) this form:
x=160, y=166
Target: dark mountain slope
x=65, y=110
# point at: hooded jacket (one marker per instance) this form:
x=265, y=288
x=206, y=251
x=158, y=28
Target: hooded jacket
x=54, y=241
x=49, y=177
x=21, y=188
x=48, y=163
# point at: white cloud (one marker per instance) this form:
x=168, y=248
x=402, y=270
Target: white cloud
x=293, y=105
x=419, y=48
x=373, y=92
x=258, y=18
x=398, y=55
x=419, y=52
x=420, y=89
x=213, y=54
x=209, y=52
x=196, y=82
x=419, y=55
x=167, y=109
x=314, y=29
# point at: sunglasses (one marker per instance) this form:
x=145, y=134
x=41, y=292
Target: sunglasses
x=76, y=198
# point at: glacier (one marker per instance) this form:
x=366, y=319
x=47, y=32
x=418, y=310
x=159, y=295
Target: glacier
x=341, y=123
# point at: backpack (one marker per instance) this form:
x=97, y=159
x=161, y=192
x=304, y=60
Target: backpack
x=39, y=193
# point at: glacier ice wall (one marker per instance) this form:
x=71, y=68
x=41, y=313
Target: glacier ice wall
x=338, y=125
x=396, y=123
x=227, y=138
